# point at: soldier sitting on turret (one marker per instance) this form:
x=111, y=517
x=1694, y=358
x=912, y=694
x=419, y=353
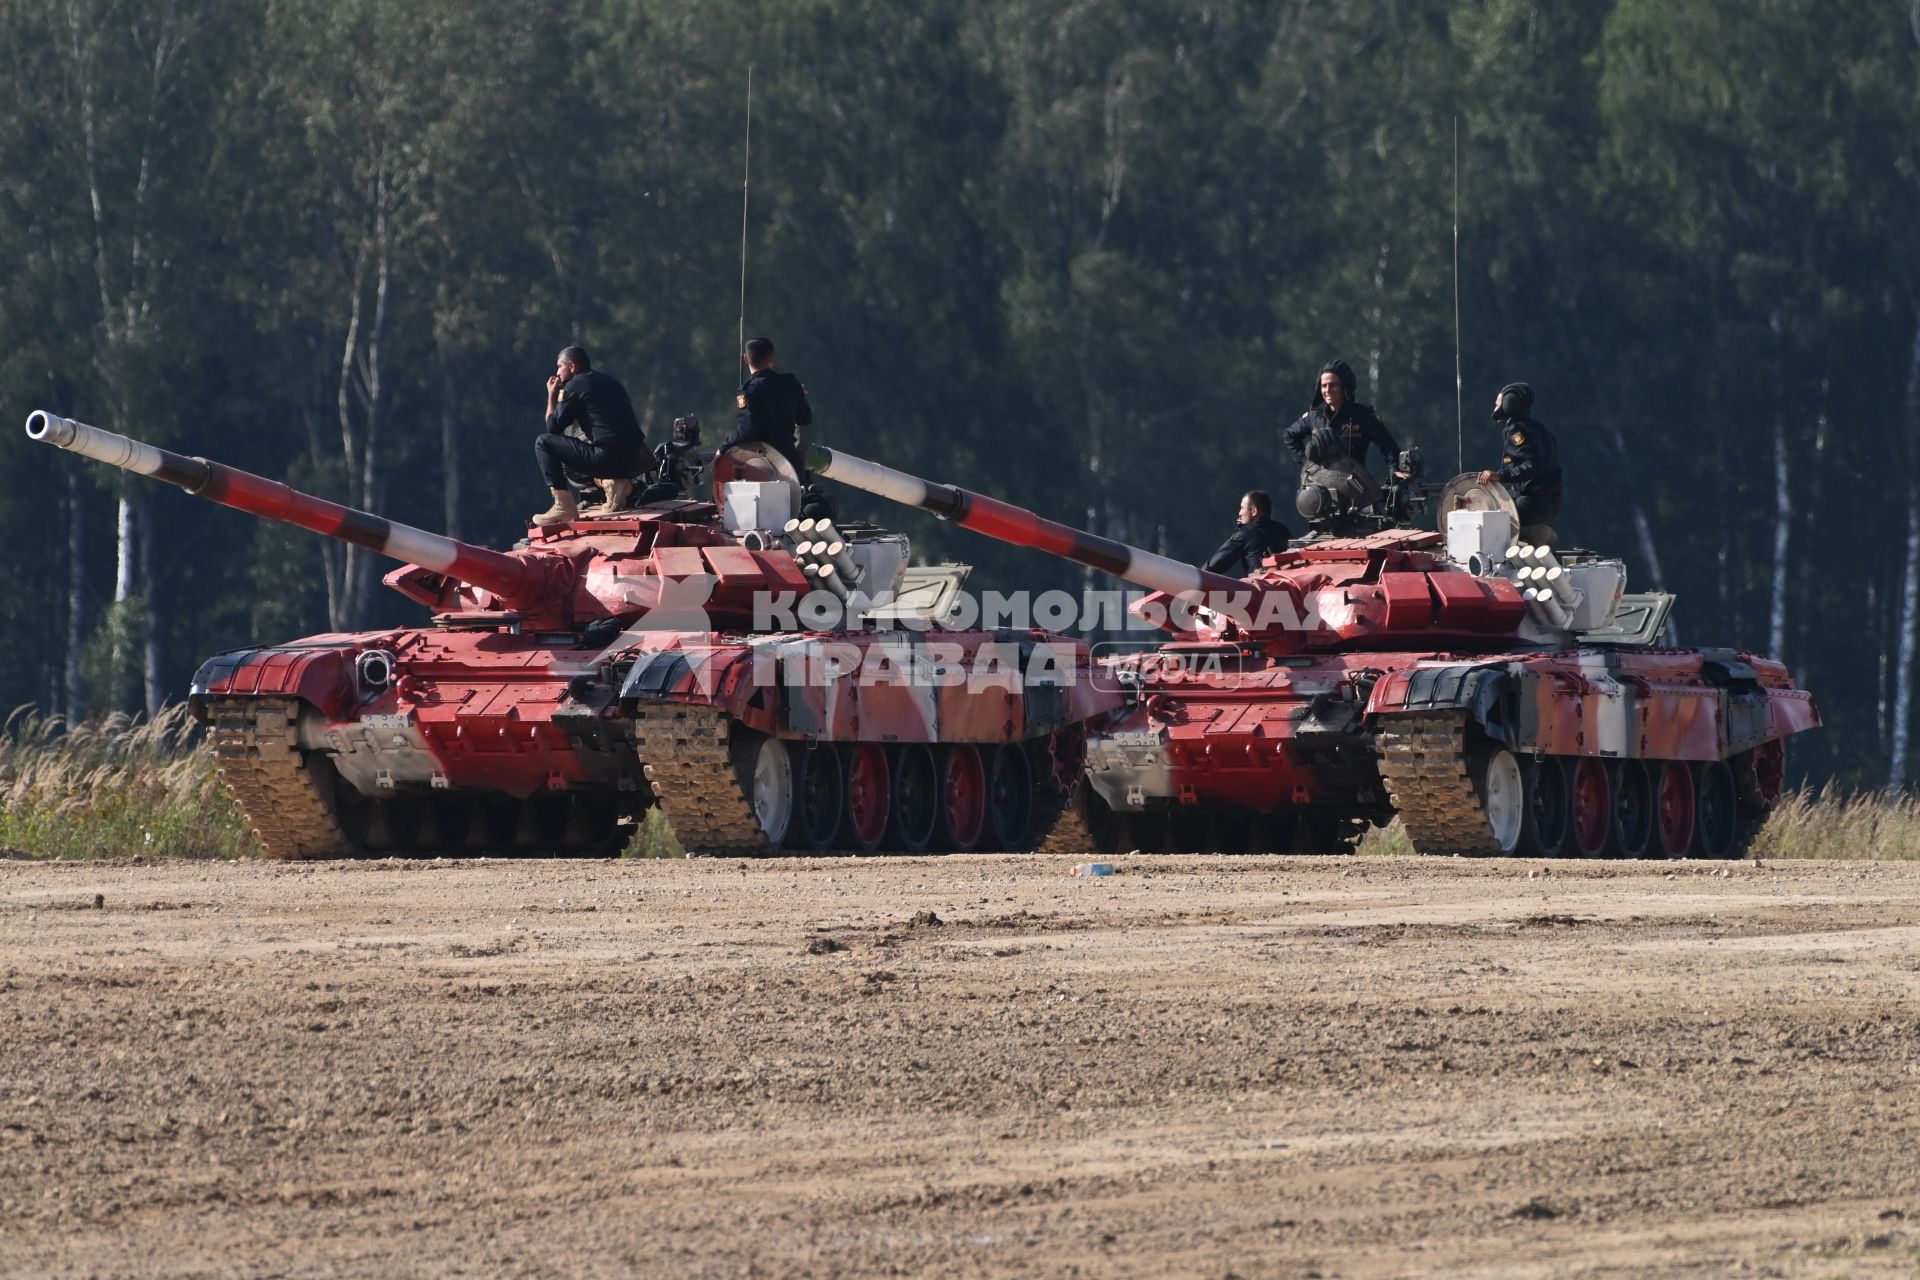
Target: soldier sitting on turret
x=1256, y=536
x=1529, y=464
x=614, y=448
x=1330, y=440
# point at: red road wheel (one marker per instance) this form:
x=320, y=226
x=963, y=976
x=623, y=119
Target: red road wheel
x=1673, y=809
x=963, y=797
x=1592, y=807
x=869, y=795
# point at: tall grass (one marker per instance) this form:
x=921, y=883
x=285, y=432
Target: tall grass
x=113, y=788
x=121, y=787
x=1828, y=823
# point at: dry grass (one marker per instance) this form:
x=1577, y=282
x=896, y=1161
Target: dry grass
x=112, y=788
x=119, y=787
x=1833, y=824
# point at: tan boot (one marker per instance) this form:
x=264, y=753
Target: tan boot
x=564, y=509
x=619, y=494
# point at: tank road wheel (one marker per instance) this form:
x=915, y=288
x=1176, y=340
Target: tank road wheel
x=820, y=789
x=1009, y=797
x=869, y=790
x=1548, y=826
x=1759, y=776
x=543, y=823
x=1633, y=808
x=916, y=798
x=593, y=824
x=1673, y=808
x=963, y=797
x=1716, y=819
x=1495, y=775
x=1592, y=808
x=765, y=770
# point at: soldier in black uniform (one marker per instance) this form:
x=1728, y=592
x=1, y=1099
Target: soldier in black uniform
x=1256, y=535
x=770, y=406
x=1330, y=441
x=614, y=447
x=1529, y=464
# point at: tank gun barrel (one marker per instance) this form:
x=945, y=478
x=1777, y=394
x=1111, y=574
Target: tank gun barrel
x=1022, y=528
x=505, y=576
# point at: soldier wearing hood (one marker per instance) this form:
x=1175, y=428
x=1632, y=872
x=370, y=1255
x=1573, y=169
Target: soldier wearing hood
x=1331, y=440
x=1529, y=463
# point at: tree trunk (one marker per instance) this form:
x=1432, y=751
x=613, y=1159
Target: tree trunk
x=75, y=707
x=1782, y=496
x=125, y=553
x=449, y=450
x=149, y=617
x=1909, y=580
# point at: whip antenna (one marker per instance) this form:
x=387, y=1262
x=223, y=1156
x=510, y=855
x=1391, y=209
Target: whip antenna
x=746, y=180
x=1459, y=405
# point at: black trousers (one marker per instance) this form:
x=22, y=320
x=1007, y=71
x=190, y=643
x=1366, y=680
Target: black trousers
x=559, y=454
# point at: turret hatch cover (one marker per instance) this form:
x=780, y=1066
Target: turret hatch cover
x=1465, y=493
x=1639, y=618
x=927, y=591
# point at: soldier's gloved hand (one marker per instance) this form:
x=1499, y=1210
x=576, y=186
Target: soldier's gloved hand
x=1321, y=444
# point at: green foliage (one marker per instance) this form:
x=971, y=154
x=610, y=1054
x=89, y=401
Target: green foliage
x=1086, y=256
x=114, y=789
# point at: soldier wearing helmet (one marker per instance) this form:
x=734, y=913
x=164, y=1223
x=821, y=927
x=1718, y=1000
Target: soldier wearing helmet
x=1529, y=464
x=1330, y=441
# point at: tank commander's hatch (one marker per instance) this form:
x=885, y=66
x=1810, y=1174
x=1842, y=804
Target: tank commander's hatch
x=1639, y=618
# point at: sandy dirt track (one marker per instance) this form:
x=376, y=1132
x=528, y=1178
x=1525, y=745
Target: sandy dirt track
x=1200, y=1067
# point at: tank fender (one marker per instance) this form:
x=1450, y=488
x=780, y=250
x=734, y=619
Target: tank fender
x=1479, y=688
x=322, y=677
x=1749, y=711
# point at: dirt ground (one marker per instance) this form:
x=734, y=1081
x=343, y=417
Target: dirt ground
x=962, y=1066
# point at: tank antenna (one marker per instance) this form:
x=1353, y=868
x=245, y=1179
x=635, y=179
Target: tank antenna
x=1459, y=404
x=746, y=179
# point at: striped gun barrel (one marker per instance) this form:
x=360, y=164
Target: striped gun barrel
x=1021, y=527
x=507, y=577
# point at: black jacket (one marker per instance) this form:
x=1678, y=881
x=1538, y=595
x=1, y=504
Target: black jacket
x=1248, y=545
x=1319, y=435
x=600, y=407
x=1530, y=466
x=770, y=405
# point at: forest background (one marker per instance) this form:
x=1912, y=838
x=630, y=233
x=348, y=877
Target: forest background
x=1086, y=255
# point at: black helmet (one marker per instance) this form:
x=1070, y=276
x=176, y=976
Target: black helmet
x=1515, y=401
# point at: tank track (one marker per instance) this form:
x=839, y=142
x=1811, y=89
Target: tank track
x=1423, y=761
x=282, y=796
x=685, y=754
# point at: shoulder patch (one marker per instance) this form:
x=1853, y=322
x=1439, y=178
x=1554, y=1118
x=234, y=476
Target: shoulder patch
x=740, y=401
x=1517, y=439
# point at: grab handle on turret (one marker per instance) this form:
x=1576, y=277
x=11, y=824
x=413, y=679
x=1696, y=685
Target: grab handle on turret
x=1020, y=527
x=510, y=579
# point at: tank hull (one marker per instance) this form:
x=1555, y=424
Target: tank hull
x=471, y=740
x=1228, y=750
